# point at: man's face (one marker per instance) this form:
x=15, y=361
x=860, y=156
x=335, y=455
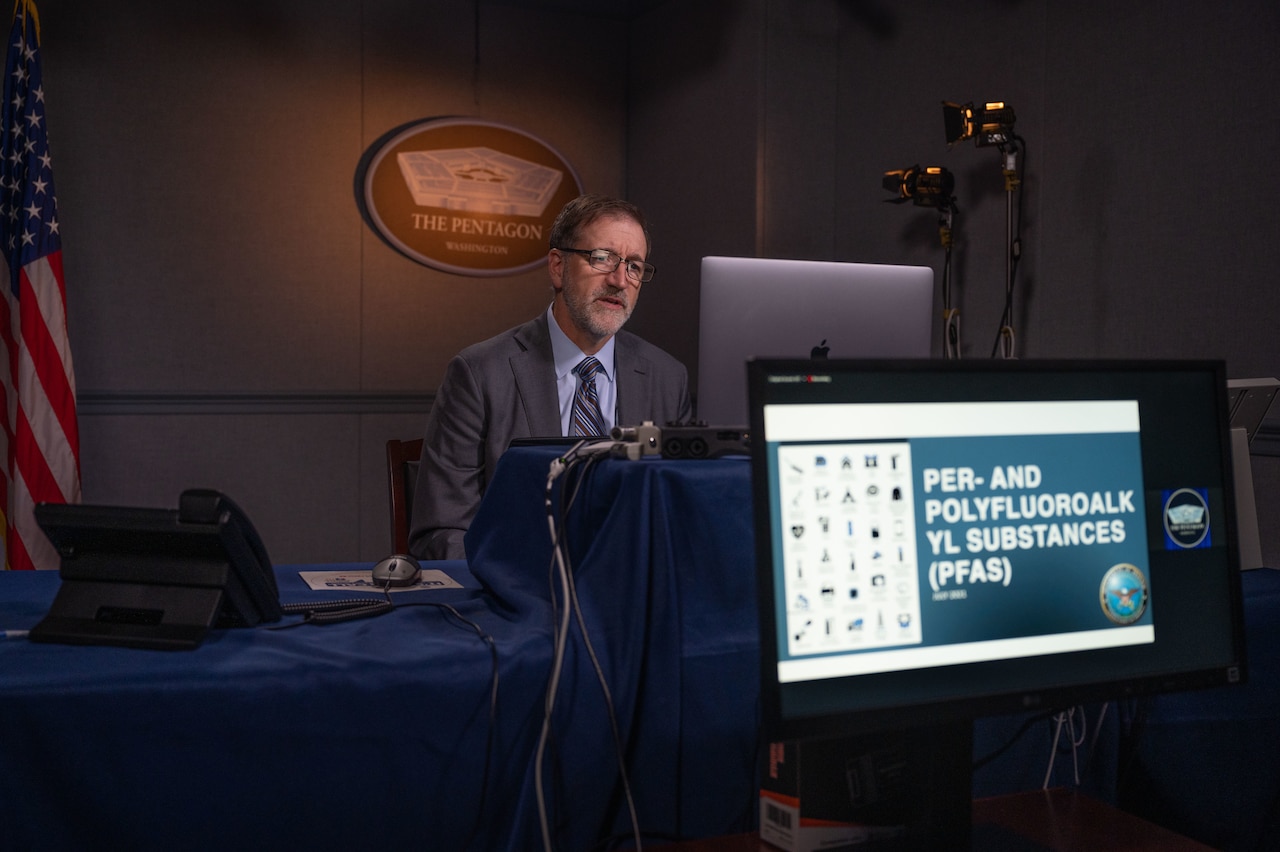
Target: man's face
x=594, y=305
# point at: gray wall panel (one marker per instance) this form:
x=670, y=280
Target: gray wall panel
x=297, y=476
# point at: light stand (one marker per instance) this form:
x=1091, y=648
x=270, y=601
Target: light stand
x=950, y=315
x=992, y=124
x=933, y=187
x=1013, y=247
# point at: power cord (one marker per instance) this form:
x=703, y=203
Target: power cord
x=1027, y=725
x=1076, y=739
x=1059, y=718
x=580, y=459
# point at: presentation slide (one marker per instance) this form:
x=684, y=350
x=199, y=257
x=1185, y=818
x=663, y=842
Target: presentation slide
x=914, y=535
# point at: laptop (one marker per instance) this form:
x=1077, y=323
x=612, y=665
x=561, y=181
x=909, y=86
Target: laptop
x=771, y=308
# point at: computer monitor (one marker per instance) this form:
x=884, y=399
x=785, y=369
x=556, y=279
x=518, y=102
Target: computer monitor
x=943, y=540
x=965, y=538
x=773, y=308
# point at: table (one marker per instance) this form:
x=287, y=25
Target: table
x=368, y=733
x=374, y=733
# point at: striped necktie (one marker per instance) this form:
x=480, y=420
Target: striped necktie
x=586, y=419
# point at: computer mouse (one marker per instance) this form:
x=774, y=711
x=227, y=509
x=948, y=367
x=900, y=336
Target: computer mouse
x=397, y=570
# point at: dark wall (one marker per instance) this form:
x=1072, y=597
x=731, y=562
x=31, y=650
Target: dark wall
x=1147, y=224
x=235, y=324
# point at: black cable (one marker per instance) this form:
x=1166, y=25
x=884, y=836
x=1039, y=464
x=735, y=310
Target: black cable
x=333, y=612
x=559, y=468
x=574, y=475
x=1019, y=734
x=610, y=710
x=950, y=314
x=1133, y=728
x=449, y=609
x=574, y=467
x=348, y=609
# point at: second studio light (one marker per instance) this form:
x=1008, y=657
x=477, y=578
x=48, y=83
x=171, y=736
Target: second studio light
x=928, y=187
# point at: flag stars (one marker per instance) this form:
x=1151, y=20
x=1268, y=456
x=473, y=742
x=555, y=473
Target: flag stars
x=28, y=210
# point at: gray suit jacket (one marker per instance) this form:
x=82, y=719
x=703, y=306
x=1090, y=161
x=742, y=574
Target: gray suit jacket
x=504, y=388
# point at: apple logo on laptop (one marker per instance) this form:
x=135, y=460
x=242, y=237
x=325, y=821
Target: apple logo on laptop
x=820, y=351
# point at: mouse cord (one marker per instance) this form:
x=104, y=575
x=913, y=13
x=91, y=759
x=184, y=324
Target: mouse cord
x=488, y=640
x=349, y=609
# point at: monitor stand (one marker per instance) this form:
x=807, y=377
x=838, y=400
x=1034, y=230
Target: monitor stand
x=895, y=790
x=932, y=780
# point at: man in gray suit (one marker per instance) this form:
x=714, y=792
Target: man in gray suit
x=521, y=383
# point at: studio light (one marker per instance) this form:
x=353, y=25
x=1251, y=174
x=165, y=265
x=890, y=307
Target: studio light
x=927, y=187
x=990, y=124
x=933, y=187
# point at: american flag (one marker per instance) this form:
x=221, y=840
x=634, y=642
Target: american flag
x=40, y=436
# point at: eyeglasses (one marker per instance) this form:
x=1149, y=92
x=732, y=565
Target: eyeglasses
x=607, y=261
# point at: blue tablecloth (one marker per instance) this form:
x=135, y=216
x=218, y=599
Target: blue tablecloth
x=661, y=553
x=357, y=735
x=374, y=733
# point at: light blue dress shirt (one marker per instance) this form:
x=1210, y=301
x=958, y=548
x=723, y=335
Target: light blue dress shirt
x=567, y=355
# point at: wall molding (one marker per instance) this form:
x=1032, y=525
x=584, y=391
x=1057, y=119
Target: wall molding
x=1266, y=442
x=116, y=403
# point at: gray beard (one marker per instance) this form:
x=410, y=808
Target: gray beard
x=584, y=317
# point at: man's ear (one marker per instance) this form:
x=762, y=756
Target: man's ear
x=555, y=268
